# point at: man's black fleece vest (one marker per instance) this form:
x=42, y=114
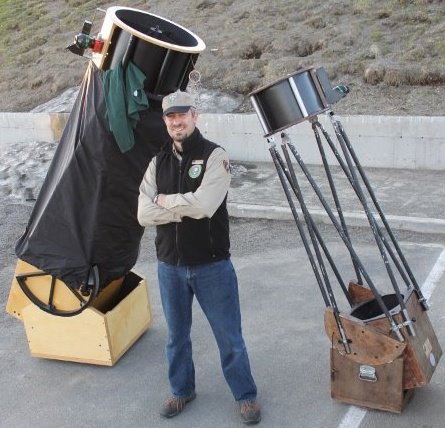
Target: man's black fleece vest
x=192, y=241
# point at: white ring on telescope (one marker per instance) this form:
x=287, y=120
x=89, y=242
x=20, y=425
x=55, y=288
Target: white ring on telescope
x=111, y=13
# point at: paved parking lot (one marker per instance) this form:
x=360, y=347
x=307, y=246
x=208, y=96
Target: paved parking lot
x=283, y=326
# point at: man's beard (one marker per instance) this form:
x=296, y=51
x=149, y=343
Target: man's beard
x=181, y=137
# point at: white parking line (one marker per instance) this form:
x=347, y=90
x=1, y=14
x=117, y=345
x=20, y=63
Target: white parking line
x=354, y=416
x=433, y=278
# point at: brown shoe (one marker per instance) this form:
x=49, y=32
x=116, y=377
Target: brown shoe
x=174, y=405
x=250, y=412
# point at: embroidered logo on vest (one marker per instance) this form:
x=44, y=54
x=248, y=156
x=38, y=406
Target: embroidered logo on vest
x=195, y=171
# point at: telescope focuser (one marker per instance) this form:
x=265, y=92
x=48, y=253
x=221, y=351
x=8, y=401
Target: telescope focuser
x=332, y=95
x=83, y=41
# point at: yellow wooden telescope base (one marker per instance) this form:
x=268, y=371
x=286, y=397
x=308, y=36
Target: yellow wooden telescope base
x=100, y=334
x=381, y=372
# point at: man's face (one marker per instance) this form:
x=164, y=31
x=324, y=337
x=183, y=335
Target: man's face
x=181, y=125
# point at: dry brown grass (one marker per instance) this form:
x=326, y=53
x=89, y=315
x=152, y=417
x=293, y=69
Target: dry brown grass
x=370, y=45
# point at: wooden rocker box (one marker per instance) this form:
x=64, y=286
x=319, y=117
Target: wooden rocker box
x=381, y=372
x=100, y=334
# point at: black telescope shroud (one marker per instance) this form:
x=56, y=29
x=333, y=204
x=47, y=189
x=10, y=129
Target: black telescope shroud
x=83, y=229
x=86, y=212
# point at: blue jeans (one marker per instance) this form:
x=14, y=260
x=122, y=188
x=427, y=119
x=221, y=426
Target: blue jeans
x=216, y=288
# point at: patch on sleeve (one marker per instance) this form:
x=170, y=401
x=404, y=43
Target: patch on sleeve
x=226, y=166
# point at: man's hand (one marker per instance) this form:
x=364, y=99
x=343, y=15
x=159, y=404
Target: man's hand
x=160, y=200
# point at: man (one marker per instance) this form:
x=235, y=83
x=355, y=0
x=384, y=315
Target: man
x=184, y=193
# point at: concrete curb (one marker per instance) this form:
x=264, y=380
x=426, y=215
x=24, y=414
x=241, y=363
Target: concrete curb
x=269, y=212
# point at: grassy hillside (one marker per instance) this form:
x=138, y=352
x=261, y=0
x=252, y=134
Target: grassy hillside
x=391, y=53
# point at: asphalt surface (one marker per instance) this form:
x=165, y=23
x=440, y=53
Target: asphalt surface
x=282, y=312
x=412, y=200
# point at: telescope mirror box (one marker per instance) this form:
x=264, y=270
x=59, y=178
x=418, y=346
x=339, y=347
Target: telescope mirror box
x=381, y=372
x=100, y=334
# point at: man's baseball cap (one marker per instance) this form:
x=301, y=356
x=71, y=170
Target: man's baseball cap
x=177, y=102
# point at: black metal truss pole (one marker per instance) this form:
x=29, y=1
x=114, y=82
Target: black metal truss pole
x=307, y=217
x=382, y=216
x=312, y=227
x=394, y=327
x=274, y=153
x=345, y=169
x=334, y=195
x=379, y=238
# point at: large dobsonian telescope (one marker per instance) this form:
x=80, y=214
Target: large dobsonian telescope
x=82, y=239
x=383, y=345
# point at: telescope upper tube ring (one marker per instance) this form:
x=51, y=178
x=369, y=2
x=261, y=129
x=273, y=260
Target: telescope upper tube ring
x=293, y=99
x=197, y=47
